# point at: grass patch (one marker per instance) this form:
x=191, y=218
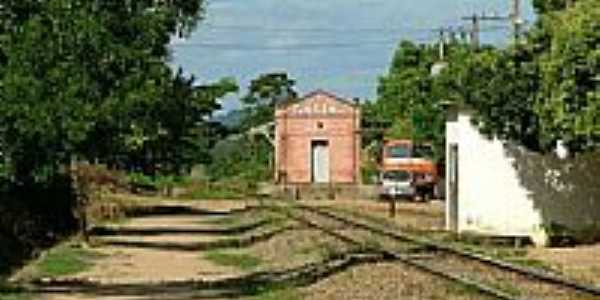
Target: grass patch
x=457, y=289
x=214, y=193
x=14, y=296
x=277, y=293
x=532, y=263
x=221, y=220
x=363, y=216
x=247, y=218
x=225, y=190
x=64, y=260
x=322, y=250
x=241, y=261
x=486, y=246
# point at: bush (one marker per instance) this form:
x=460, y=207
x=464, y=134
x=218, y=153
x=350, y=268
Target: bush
x=142, y=180
x=33, y=218
x=100, y=177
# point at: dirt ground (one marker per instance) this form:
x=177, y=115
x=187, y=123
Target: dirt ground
x=580, y=263
x=140, y=265
x=416, y=215
x=385, y=281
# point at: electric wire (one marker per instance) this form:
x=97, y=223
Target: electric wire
x=430, y=36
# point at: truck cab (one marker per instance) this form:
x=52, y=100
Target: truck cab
x=415, y=159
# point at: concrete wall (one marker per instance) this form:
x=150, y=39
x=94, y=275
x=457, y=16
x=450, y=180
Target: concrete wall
x=506, y=190
x=319, y=116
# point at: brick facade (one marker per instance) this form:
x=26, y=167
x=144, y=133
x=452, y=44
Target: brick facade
x=322, y=117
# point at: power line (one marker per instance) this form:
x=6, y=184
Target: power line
x=255, y=28
x=295, y=46
x=514, y=17
x=284, y=47
x=317, y=45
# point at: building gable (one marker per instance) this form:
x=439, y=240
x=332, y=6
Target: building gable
x=320, y=103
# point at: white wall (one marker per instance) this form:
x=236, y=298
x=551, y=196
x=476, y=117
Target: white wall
x=505, y=190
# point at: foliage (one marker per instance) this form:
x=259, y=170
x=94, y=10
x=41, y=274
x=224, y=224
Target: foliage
x=536, y=93
x=264, y=94
x=545, y=6
x=142, y=180
x=409, y=97
x=34, y=218
x=497, y=85
x=245, y=158
x=91, y=81
x=543, y=91
x=568, y=101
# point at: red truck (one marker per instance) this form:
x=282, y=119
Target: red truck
x=408, y=170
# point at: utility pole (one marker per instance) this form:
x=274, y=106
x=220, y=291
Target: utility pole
x=475, y=29
x=515, y=17
x=476, y=25
x=517, y=22
x=463, y=34
x=442, y=44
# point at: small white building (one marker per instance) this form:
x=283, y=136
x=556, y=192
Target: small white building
x=500, y=189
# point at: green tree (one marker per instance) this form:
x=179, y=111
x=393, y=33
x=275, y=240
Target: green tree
x=245, y=156
x=90, y=79
x=545, y=6
x=568, y=102
x=264, y=94
x=409, y=98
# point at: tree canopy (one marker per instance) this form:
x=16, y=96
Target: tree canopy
x=90, y=80
x=535, y=93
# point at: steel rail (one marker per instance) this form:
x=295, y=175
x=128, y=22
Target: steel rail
x=409, y=260
x=528, y=272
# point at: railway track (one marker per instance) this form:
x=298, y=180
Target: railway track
x=495, y=278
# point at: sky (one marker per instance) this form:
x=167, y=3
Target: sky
x=341, y=46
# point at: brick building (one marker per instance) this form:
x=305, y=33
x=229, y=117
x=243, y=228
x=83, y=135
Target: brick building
x=317, y=140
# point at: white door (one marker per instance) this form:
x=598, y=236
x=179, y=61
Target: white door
x=320, y=161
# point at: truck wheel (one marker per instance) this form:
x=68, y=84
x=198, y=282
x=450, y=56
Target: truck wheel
x=424, y=196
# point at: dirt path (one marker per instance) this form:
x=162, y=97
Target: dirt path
x=143, y=266
x=138, y=272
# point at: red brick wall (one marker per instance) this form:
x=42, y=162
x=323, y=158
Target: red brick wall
x=297, y=127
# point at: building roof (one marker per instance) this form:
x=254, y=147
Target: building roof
x=316, y=93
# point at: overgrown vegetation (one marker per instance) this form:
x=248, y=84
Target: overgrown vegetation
x=65, y=259
x=221, y=189
x=238, y=260
x=33, y=218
